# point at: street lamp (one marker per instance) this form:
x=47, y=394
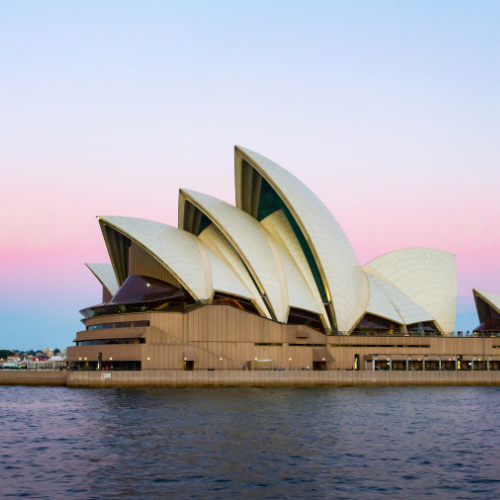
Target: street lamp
x=220, y=363
x=290, y=359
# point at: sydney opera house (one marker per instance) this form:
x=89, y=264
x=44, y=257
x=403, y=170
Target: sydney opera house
x=270, y=283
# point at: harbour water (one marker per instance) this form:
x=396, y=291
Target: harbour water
x=342, y=443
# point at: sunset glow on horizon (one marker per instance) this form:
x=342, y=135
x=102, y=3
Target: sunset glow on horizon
x=388, y=112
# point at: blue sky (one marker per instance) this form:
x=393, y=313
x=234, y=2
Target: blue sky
x=388, y=110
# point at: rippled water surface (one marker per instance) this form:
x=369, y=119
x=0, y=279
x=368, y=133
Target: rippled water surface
x=353, y=443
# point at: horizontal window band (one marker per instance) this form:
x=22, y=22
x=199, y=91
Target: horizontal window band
x=110, y=342
x=385, y=346
x=306, y=345
x=122, y=324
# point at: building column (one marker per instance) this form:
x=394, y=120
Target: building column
x=373, y=362
x=472, y=362
x=423, y=363
x=439, y=359
x=488, y=363
x=390, y=364
x=408, y=363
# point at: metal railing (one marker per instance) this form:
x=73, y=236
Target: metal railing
x=397, y=333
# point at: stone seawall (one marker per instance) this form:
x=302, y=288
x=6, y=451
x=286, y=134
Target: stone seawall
x=47, y=378
x=228, y=378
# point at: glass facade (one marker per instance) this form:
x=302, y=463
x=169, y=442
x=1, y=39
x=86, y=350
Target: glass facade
x=489, y=317
x=142, y=294
x=376, y=324
x=121, y=324
x=425, y=327
x=110, y=341
x=232, y=300
x=141, y=289
x=302, y=317
x=491, y=325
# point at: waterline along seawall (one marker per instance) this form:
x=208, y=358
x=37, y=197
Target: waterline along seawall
x=258, y=378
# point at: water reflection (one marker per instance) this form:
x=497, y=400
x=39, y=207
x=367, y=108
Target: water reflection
x=250, y=443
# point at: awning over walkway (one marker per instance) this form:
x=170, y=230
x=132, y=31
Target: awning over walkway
x=189, y=355
x=302, y=332
x=321, y=354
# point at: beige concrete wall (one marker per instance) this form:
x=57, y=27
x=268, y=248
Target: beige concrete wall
x=343, y=353
x=120, y=352
x=221, y=331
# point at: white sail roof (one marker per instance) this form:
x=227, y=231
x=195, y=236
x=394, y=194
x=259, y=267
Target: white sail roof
x=280, y=282
x=427, y=277
x=341, y=274
x=491, y=298
x=395, y=303
x=221, y=247
x=106, y=275
x=193, y=263
x=224, y=279
x=180, y=252
x=280, y=229
x=380, y=304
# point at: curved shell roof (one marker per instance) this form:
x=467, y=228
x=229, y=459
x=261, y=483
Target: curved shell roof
x=298, y=293
x=280, y=247
x=224, y=279
x=219, y=245
x=274, y=271
x=106, y=275
x=341, y=273
x=280, y=229
x=193, y=263
x=180, y=252
x=395, y=304
x=426, y=276
x=380, y=304
x=493, y=299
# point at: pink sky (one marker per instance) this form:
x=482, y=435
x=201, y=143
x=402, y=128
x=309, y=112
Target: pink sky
x=392, y=120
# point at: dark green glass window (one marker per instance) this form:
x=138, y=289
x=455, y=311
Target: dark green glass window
x=270, y=202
